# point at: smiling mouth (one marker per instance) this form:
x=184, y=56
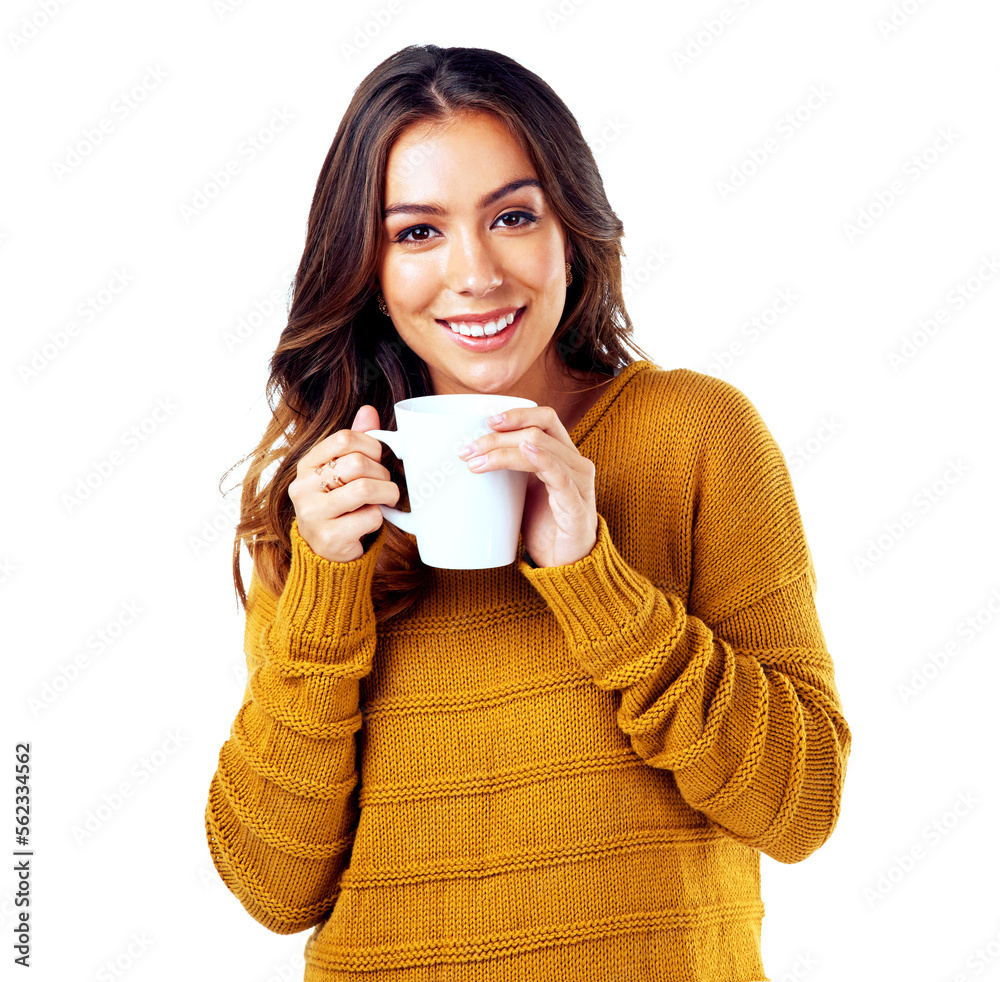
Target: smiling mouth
x=472, y=329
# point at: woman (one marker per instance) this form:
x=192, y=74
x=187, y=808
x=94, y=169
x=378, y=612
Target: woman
x=567, y=767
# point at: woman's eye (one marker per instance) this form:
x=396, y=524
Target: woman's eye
x=404, y=236
x=529, y=218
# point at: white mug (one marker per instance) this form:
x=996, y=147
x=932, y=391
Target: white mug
x=462, y=520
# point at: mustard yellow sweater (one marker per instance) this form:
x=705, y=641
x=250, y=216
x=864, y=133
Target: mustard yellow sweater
x=558, y=774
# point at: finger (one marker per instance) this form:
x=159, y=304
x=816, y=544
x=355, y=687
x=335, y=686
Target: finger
x=353, y=495
x=359, y=477
x=350, y=467
x=548, y=454
x=318, y=505
x=345, y=441
x=543, y=417
x=572, y=488
x=533, y=433
x=339, y=445
x=506, y=450
x=560, y=468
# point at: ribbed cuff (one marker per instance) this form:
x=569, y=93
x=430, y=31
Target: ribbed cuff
x=327, y=605
x=604, y=607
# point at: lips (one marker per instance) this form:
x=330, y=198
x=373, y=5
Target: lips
x=483, y=316
x=477, y=328
x=485, y=342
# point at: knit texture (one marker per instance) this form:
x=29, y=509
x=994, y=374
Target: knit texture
x=563, y=773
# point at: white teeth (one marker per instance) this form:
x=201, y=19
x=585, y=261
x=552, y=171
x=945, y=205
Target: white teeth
x=472, y=330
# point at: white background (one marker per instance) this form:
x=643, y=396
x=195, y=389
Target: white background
x=868, y=441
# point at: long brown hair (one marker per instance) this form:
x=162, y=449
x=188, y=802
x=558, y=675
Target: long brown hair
x=339, y=352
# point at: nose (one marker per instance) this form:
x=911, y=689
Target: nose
x=472, y=266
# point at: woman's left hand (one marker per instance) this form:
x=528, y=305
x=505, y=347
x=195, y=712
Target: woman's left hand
x=559, y=526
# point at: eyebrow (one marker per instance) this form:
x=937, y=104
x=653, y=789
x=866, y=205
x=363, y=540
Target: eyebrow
x=484, y=201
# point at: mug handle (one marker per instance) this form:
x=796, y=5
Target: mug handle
x=405, y=520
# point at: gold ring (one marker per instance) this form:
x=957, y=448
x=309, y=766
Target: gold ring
x=328, y=487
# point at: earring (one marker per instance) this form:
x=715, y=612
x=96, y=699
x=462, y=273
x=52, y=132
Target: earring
x=569, y=274
x=381, y=304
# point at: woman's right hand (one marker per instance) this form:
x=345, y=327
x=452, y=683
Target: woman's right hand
x=333, y=522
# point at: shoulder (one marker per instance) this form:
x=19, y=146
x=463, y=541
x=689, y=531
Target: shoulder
x=713, y=434
x=705, y=412
x=681, y=383
x=747, y=534
x=720, y=461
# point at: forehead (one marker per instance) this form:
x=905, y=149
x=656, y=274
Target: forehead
x=468, y=151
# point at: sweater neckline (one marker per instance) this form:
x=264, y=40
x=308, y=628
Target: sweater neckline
x=599, y=408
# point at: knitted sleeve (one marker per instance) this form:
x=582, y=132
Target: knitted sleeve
x=282, y=809
x=734, y=690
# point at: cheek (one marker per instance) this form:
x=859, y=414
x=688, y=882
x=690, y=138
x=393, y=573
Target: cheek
x=539, y=263
x=548, y=258
x=411, y=283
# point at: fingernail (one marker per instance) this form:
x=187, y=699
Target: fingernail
x=465, y=451
x=495, y=420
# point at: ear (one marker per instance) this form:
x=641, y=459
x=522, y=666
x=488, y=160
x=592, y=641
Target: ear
x=568, y=251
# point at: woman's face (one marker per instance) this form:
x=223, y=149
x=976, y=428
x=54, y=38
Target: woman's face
x=457, y=245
